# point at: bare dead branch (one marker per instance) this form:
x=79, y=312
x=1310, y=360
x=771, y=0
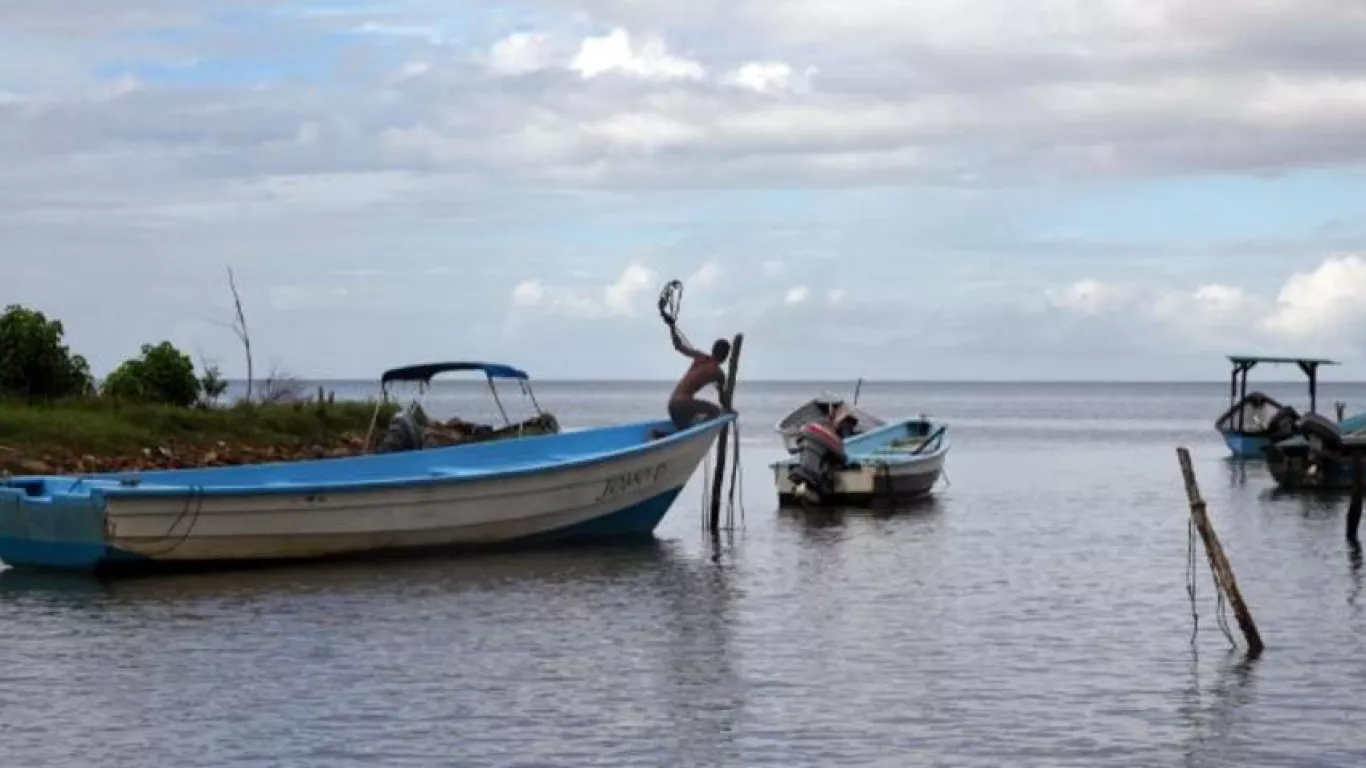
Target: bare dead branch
x=240, y=328
x=281, y=387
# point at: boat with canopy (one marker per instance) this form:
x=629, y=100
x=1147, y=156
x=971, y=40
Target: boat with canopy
x=1254, y=419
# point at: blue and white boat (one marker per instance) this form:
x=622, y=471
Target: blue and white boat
x=602, y=483
x=1254, y=419
x=899, y=461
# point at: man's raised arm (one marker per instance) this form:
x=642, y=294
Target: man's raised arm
x=681, y=345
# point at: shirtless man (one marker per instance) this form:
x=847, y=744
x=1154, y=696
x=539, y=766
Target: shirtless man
x=684, y=408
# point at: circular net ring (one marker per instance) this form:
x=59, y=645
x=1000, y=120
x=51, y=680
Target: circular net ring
x=670, y=299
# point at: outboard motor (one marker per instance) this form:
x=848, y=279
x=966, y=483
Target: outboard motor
x=405, y=433
x=820, y=452
x=1283, y=424
x=1316, y=427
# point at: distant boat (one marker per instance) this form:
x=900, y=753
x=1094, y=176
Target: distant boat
x=412, y=428
x=898, y=461
x=602, y=483
x=1317, y=454
x=1254, y=420
x=820, y=408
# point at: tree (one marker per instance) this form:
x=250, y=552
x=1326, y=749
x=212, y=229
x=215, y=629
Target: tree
x=162, y=374
x=212, y=385
x=34, y=363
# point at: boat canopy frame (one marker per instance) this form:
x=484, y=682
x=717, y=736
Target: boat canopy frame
x=1242, y=364
x=423, y=373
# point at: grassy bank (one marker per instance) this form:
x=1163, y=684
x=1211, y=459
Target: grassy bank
x=99, y=435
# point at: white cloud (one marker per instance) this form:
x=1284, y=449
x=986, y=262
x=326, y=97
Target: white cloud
x=528, y=293
x=520, y=53
x=705, y=276
x=770, y=77
x=1326, y=303
x=614, y=52
x=1316, y=312
x=622, y=297
x=625, y=296
x=797, y=294
x=835, y=296
x=1090, y=297
x=773, y=268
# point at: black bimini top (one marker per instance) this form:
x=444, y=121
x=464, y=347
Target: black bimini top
x=424, y=372
x=1251, y=360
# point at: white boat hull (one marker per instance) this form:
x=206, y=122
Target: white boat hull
x=620, y=496
x=869, y=482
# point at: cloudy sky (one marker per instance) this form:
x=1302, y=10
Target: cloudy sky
x=996, y=189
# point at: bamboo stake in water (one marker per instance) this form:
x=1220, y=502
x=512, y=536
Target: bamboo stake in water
x=1218, y=561
x=727, y=401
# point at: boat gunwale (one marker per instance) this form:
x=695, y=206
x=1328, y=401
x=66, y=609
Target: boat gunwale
x=418, y=479
x=782, y=427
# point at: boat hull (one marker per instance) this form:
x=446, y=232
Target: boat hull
x=869, y=484
x=1243, y=446
x=625, y=496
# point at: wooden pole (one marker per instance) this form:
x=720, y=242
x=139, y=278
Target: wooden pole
x=1354, y=506
x=1218, y=561
x=727, y=401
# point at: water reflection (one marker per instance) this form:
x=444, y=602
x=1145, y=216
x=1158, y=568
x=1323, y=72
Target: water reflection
x=909, y=512
x=703, y=695
x=1354, y=559
x=1237, y=471
x=1312, y=504
x=1211, y=716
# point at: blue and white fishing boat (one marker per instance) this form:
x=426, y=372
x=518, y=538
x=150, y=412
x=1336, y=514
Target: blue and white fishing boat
x=1254, y=419
x=602, y=483
x=899, y=461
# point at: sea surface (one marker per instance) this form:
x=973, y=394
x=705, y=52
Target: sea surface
x=1035, y=613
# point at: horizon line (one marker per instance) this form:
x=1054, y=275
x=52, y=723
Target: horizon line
x=849, y=382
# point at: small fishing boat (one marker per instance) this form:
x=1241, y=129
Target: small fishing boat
x=1318, y=454
x=412, y=429
x=601, y=483
x=898, y=461
x=823, y=407
x=1254, y=419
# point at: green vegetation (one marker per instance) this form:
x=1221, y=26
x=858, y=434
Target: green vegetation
x=105, y=427
x=153, y=409
x=163, y=374
x=34, y=363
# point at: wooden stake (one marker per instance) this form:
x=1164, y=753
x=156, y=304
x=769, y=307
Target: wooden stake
x=727, y=401
x=1218, y=561
x=1354, y=506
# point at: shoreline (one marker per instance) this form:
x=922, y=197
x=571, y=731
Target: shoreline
x=94, y=435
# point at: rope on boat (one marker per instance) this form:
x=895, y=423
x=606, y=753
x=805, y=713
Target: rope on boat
x=194, y=500
x=737, y=479
x=706, y=488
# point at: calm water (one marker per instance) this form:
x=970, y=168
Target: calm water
x=1034, y=614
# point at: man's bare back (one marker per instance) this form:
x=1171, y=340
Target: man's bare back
x=685, y=409
x=700, y=374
